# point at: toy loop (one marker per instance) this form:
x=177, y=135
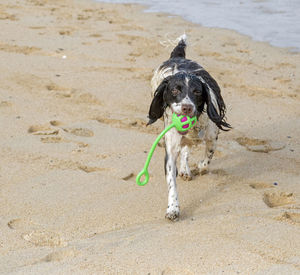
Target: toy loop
x=145, y=173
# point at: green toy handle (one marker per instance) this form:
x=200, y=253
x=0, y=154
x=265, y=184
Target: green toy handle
x=144, y=172
x=182, y=123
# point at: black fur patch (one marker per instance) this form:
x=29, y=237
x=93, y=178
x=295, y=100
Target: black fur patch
x=179, y=50
x=166, y=160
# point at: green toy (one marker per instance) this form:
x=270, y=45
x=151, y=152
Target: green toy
x=181, y=123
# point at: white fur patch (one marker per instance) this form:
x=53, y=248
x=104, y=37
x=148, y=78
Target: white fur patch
x=182, y=37
x=214, y=100
x=160, y=75
x=212, y=95
x=177, y=107
x=171, y=42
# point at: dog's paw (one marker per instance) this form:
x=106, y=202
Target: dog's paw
x=203, y=167
x=186, y=176
x=172, y=213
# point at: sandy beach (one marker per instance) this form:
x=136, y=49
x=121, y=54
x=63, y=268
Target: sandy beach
x=74, y=98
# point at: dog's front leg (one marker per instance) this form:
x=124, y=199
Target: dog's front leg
x=172, y=140
x=211, y=137
x=184, y=169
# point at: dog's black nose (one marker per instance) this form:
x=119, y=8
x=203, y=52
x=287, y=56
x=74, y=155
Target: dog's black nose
x=187, y=109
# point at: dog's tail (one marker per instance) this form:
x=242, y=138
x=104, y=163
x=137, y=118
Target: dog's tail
x=179, y=50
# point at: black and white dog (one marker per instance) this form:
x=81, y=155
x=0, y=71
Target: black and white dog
x=182, y=86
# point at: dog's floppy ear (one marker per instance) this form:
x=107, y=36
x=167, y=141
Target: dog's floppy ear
x=158, y=105
x=215, y=105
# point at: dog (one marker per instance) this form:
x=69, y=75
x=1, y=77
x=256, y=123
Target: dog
x=184, y=87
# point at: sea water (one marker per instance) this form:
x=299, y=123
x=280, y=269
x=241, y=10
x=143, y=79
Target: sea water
x=273, y=21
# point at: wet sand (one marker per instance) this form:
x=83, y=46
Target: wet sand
x=74, y=97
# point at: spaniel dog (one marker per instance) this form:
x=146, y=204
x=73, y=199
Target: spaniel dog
x=184, y=87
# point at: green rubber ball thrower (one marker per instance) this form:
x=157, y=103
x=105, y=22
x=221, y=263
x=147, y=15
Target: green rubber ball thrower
x=181, y=123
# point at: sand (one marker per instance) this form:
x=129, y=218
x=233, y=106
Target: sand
x=74, y=97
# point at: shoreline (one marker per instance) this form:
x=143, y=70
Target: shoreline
x=148, y=8
x=288, y=50
x=74, y=97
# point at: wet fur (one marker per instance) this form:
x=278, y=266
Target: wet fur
x=177, y=83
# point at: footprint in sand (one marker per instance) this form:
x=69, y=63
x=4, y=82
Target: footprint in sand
x=19, y=49
x=54, y=87
x=14, y=224
x=19, y=224
x=219, y=172
x=42, y=130
x=274, y=199
x=56, y=123
x=259, y=145
x=65, y=32
x=46, y=130
x=74, y=165
x=91, y=169
x=294, y=217
x=37, y=27
x=60, y=140
x=261, y=185
x=52, y=140
x=5, y=104
x=37, y=3
x=282, y=80
x=51, y=134
x=87, y=98
x=60, y=255
x=83, y=17
x=140, y=45
x=77, y=96
x=96, y=35
x=34, y=83
x=44, y=238
x=125, y=123
x=37, y=235
x=81, y=132
x=7, y=16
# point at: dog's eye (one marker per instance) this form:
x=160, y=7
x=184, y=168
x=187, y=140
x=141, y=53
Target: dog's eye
x=175, y=92
x=196, y=92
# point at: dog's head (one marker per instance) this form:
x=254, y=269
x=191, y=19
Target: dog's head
x=187, y=94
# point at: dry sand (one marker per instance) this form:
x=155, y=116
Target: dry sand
x=74, y=97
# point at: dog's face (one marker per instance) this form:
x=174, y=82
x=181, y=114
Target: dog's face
x=186, y=94
x=183, y=93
